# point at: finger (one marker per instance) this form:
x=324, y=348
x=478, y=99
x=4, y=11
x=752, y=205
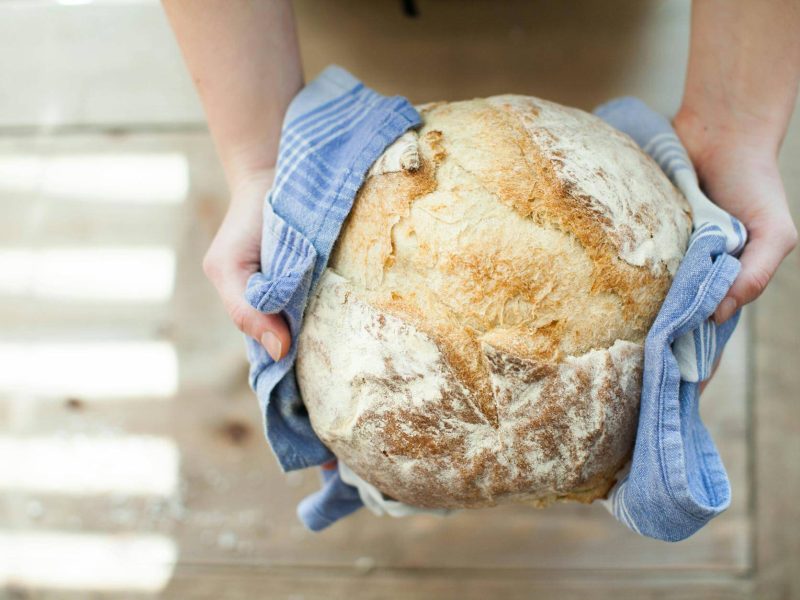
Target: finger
x=270, y=330
x=760, y=259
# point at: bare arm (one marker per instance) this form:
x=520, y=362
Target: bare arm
x=245, y=63
x=741, y=87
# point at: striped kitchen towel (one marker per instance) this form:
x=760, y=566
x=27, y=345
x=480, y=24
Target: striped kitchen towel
x=676, y=482
x=333, y=131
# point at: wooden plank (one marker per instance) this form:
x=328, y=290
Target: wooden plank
x=204, y=581
x=234, y=506
x=232, y=515
x=776, y=410
x=92, y=66
x=193, y=582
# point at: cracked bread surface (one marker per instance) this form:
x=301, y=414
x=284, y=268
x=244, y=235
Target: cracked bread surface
x=477, y=336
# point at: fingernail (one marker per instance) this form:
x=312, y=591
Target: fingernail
x=273, y=345
x=725, y=310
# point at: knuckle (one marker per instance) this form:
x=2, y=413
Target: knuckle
x=273, y=319
x=757, y=283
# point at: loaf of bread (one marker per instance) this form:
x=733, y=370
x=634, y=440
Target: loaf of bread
x=477, y=337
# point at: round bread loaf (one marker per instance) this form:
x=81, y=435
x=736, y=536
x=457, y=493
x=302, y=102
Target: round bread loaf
x=477, y=336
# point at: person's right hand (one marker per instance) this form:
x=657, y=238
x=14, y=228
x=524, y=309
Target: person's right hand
x=235, y=254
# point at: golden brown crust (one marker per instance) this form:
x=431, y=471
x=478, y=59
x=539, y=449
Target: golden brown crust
x=412, y=428
x=531, y=296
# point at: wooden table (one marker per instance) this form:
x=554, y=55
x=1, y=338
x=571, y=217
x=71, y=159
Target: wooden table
x=154, y=480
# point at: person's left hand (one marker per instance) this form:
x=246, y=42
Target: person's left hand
x=738, y=169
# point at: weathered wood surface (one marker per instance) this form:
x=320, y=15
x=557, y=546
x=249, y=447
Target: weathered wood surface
x=231, y=515
x=233, y=506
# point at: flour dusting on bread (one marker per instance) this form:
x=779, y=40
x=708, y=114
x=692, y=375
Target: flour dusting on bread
x=477, y=337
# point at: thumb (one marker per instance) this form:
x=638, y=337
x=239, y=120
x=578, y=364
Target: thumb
x=270, y=330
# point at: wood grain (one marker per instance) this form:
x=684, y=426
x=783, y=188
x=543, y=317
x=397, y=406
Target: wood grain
x=232, y=513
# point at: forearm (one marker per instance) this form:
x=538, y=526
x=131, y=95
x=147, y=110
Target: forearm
x=741, y=87
x=245, y=63
x=743, y=71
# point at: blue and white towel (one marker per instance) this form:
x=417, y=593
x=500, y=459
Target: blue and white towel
x=677, y=482
x=333, y=131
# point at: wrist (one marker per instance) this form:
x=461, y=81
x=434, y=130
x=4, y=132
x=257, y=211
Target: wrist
x=708, y=135
x=707, y=129
x=247, y=180
x=246, y=162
